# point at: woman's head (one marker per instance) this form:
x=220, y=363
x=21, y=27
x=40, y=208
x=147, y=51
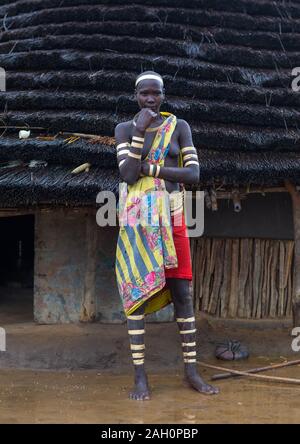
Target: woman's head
x=149, y=90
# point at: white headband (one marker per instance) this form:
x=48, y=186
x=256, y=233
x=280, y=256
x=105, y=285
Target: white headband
x=149, y=77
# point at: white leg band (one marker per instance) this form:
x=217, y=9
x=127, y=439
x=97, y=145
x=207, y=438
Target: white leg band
x=186, y=332
x=135, y=317
x=138, y=361
x=186, y=319
x=134, y=347
x=138, y=355
x=188, y=344
x=136, y=332
x=189, y=353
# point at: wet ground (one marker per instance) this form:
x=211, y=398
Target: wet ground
x=80, y=373
x=100, y=397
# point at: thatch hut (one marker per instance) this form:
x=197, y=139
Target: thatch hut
x=70, y=68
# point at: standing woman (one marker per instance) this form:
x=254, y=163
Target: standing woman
x=155, y=153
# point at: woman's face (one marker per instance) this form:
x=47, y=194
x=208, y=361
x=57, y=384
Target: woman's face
x=150, y=94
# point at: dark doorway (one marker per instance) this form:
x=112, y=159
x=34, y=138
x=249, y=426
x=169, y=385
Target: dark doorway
x=16, y=269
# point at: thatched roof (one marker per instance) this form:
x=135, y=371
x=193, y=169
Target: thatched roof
x=51, y=180
x=227, y=67
x=55, y=186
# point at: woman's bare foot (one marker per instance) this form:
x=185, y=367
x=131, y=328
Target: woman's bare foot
x=140, y=391
x=195, y=381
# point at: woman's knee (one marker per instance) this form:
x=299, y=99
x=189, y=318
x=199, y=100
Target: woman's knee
x=182, y=297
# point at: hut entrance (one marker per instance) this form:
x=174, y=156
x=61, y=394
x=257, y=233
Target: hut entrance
x=16, y=269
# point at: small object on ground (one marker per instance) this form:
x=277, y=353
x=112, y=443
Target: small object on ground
x=23, y=134
x=231, y=350
x=256, y=370
x=84, y=167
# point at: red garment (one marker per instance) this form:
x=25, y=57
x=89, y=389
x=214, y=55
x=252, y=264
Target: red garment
x=182, y=246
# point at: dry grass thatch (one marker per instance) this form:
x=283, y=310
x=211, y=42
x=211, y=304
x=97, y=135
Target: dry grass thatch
x=54, y=185
x=227, y=67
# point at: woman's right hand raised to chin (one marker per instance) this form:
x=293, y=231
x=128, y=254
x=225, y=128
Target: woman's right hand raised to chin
x=145, y=117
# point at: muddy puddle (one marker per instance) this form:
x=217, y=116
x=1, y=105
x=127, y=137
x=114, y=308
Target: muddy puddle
x=93, y=397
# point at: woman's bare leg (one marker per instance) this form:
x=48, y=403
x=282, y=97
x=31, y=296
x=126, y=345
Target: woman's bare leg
x=184, y=312
x=136, y=330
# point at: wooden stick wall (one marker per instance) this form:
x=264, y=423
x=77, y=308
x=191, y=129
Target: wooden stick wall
x=243, y=278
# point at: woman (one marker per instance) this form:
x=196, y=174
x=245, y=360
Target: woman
x=155, y=152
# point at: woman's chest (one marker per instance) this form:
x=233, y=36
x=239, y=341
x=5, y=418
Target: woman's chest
x=172, y=152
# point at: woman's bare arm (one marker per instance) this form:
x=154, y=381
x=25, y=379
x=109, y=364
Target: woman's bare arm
x=129, y=167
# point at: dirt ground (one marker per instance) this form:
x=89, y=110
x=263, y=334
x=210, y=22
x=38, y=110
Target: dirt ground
x=81, y=373
x=106, y=346
x=101, y=398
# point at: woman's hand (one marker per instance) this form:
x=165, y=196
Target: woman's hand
x=145, y=118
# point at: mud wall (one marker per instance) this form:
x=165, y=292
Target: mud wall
x=74, y=276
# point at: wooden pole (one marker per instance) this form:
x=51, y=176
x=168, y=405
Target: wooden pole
x=233, y=300
x=23, y=127
x=83, y=135
x=225, y=287
x=255, y=370
x=257, y=271
x=296, y=217
x=251, y=375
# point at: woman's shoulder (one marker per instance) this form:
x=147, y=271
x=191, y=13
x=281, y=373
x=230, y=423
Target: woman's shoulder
x=182, y=127
x=128, y=123
x=182, y=124
x=124, y=127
